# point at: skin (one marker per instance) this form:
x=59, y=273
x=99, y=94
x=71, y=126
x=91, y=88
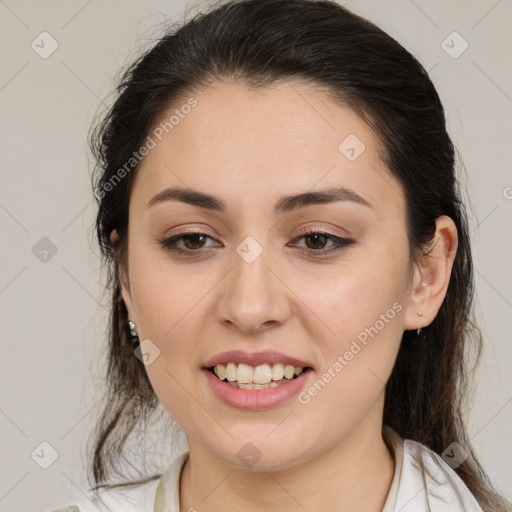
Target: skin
x=249, y=148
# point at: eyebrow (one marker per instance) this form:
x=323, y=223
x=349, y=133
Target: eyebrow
x=285, y=204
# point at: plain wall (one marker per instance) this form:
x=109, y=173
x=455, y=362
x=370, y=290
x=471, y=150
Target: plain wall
x=53, y=313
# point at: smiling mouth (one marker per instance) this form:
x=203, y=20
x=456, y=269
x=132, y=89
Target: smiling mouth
x=244, y=376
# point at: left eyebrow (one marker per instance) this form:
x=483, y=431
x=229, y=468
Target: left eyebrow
x=285, y=204
x=289, y=203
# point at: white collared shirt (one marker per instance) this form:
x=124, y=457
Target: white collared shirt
x=422, y=482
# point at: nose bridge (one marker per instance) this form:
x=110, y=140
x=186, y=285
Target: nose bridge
x=253, y=296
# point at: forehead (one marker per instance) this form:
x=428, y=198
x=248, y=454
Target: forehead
x=259, y=143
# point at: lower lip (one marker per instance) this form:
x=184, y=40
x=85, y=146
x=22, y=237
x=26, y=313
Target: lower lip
x=256, y=399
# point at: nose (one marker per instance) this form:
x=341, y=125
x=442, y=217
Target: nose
x=254, y=298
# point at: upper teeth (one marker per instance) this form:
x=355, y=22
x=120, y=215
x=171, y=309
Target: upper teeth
x=262, y=374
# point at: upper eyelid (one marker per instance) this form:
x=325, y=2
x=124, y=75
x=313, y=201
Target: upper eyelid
x=304, y=233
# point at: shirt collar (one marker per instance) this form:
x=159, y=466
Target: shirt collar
x=167, y=498
x=412, y=488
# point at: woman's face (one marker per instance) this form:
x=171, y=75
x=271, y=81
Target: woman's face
x=254, y=283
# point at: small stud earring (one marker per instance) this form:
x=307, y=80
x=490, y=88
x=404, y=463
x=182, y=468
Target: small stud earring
x=131, y=326
x=419, y=331
x=134, y=337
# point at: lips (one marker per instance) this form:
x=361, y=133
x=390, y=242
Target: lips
x=251, y=397
x=256, y=399
x=269, y=357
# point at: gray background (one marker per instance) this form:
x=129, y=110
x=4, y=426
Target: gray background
x=53, y=311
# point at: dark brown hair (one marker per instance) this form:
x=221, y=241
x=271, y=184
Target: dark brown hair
x=257, y=43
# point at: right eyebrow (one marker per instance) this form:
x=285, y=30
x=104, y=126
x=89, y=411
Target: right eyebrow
x=189, y=196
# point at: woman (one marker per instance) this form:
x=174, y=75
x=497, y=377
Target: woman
x=291, y=270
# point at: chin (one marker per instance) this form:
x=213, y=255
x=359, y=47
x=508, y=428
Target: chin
x=258, y=452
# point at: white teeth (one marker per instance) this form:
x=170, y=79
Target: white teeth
x=231, y=372
x=256, y=377
x=289, y=371
x=256, y=386
x=252, y=386
x=262, y=374
x=244, y=374
x=221, y=371
x=277, y=371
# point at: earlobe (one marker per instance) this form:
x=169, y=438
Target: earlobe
x=432, y=276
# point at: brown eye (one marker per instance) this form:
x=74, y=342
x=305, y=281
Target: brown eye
x=196, y=241
x=318, y=241
x=315, y=243
x=186, y=242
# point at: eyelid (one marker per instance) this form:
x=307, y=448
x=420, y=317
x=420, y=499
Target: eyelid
x=340, y=242
x=175, y=237
x=307, y=230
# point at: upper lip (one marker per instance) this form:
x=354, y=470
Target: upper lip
x=255, y=358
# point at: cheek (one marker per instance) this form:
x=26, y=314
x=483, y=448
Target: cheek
x=169, y=313
x=357, y=362
x=361, y=295
x=364, y=309
x=163, y=294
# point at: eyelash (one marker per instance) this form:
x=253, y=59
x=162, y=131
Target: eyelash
x=340, y=242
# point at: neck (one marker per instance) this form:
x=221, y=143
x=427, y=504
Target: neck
x=353, y=475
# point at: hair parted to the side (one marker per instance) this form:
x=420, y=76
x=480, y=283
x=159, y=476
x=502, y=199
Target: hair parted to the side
x=257, y=43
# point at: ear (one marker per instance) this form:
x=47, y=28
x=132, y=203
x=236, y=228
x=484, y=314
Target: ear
x=123, y=281
x=432, y=276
